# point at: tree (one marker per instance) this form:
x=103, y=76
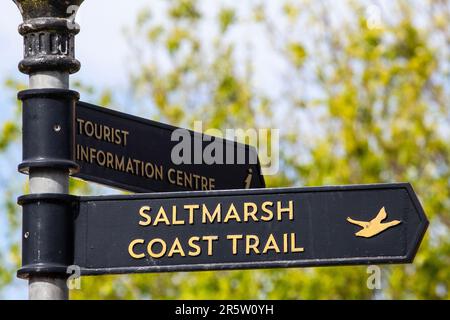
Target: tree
x=360, y=94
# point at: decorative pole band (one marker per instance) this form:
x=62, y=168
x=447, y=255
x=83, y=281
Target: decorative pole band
x=47, y=134
x=48, y=241
x=49, y=33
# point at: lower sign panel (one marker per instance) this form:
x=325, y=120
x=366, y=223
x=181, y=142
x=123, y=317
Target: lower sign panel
x=248, y=229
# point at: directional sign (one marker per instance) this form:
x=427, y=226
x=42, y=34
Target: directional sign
x=242, y=229
x=136, y=154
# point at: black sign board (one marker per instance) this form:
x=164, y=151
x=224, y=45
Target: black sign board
x=135, y=154
x=242, y=229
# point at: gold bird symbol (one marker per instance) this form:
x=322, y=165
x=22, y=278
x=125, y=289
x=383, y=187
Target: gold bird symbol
x=374, y=226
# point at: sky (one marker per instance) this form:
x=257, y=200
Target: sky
x=100, y=47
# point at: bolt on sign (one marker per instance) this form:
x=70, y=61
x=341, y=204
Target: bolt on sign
x=241, y=229
x=136, y=154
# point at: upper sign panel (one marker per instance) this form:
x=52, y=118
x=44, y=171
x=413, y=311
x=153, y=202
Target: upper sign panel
x=136, y=154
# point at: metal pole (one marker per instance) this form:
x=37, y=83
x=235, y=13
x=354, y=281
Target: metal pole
x=49, y=32
x=48, y=181
x=47, y=288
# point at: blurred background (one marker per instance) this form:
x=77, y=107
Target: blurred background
x=359, y=90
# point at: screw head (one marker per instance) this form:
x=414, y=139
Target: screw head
x=57, y=128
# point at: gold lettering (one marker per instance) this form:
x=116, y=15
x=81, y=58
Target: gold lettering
x=180, y=178
x=161, y=217
x=251, y=242
x=150, y=248
x=101, y=155
x=130, y=166
x=211, y=217
x=232, y=214
x=143, y=214
x=106, y=133
x=98, y=132
x=89, y=128
x=169, y=176
x=125, y=135
x=176, y=249
x=159, y=172
x=80, y=125
x=187, y=180
x=235, y=238
x=285, y=243
x=204, y=183
x=196, y=177
x=191, y=208
x=151, y=172
x=295, y=249
x=84, y=156
x=194, y=246
x=109, y=160
x=289, y=210
x=117, y=137
x=92, y=153
x=265, y=209
x=136, y=166
x=250, y=213
x=210, y=240
x=131, y=249
x=174, y=217
x=271, y=244
x=102, y=132
x=120, y=163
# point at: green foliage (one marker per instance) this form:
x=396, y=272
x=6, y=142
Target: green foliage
x=355, y=104
x=9, y=133
x=226, y=18
x=297, y=54
x=184, y=9
x=291, y=11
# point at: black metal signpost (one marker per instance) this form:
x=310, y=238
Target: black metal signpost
x=176, y=231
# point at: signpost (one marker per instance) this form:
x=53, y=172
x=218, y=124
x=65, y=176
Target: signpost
x=135, y=154
x=176, y=231
x=244, y=229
